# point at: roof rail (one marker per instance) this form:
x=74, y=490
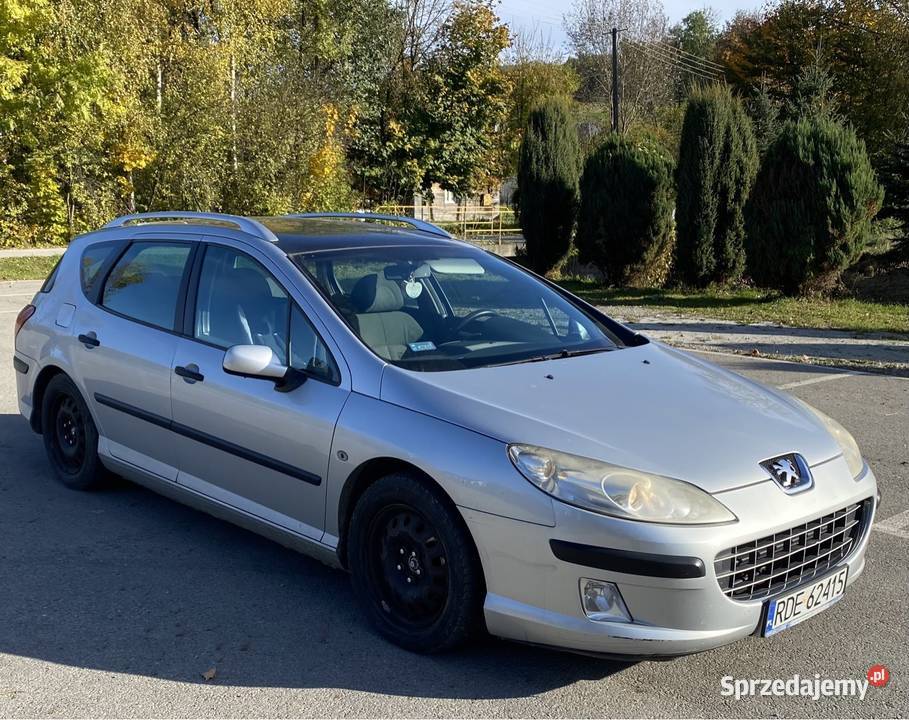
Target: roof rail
x=247, y=225
x=420, y=225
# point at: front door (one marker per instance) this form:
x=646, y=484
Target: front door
x=241, y=440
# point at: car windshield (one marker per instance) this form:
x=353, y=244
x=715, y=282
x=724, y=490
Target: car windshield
x=430, y=308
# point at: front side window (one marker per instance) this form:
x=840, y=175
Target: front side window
x=430, y=308
x=308, y=352
x=145, y=283
x=240, y=303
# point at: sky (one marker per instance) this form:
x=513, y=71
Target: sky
x=546, y=15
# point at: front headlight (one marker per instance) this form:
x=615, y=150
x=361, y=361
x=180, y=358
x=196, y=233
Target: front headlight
x=844, y=439
x=613, y=490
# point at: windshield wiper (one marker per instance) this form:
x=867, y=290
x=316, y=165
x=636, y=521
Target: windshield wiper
x=577, y=353
x=558, y=355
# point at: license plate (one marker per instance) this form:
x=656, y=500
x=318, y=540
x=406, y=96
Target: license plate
x=801, y=604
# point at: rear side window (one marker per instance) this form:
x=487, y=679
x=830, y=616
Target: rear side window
x=93, y=258
x=145, y=283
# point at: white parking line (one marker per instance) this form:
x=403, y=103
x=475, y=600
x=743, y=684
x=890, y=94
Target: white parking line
x=812, y=381
x=895, y=525
x=16, y=294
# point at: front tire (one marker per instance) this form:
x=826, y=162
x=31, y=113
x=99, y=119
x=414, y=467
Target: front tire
x=413, y=565
x=70, y=436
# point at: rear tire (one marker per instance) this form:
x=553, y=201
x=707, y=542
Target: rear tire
x=70, y=436
x=413, y=565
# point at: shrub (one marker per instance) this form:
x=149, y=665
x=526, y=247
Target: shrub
x=716, y=168
x=625, y=215
x=811, y=210
x=548, y=170
x=895, y=179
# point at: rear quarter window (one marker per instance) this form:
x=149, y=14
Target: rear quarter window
x=93, y=258
x=52, y=278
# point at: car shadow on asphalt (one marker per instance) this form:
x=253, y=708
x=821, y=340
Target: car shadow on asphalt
x=125, y=581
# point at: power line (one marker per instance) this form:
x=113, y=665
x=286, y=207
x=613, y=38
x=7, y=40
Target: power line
x=683, y=64
x=689, y=57
x=677, y=66
x=675, y=57
x=652, y=55
x=697, y=59
x=658, y=55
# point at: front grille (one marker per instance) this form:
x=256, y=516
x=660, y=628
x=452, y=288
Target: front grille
x=775, y=563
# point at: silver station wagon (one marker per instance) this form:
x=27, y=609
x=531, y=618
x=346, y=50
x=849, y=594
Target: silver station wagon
x=480, y=449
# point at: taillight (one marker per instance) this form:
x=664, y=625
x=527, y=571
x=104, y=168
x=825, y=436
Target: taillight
x=23, y=316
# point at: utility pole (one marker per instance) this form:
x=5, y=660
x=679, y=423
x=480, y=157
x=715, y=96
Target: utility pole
x=615, y=80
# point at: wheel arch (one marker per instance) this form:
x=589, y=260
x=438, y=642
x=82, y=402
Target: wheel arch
x=369, y=472
x=48, y=373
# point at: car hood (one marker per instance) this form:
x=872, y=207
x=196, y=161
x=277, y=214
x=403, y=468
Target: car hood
x=650, y=407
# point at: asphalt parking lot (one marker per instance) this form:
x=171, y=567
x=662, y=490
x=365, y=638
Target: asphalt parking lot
x=115, y=603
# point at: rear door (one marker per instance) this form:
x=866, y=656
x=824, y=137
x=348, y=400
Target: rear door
x=241, y=440
x=126, y=343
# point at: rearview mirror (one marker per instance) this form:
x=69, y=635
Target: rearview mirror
x=256, y=361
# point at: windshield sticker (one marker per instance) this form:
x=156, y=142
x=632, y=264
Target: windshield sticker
x=421, y=346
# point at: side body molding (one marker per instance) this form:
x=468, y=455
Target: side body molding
x=210, y=440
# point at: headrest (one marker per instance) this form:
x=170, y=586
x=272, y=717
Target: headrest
x=374, y=293
x=246, y=281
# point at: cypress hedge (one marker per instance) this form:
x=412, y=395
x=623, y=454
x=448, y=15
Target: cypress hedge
x=717, y=164
x=893, y=171
x=625, y=216
x=811, y=211
x=548, y=172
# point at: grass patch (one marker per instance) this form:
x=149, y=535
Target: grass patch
x=749, y=305
x=27, y=268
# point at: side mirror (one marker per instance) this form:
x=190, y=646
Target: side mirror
x=255, y=361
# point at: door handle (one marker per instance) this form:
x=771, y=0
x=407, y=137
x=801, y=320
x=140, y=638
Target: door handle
x=190, y=373
x=90, y=340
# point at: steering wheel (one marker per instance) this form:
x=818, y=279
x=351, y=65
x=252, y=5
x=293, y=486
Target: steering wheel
x=475, y=315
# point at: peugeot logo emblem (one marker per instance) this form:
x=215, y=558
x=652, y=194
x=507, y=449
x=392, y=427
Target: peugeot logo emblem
x=790, y=472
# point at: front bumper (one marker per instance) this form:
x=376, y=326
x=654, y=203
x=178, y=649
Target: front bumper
x=534, y=597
